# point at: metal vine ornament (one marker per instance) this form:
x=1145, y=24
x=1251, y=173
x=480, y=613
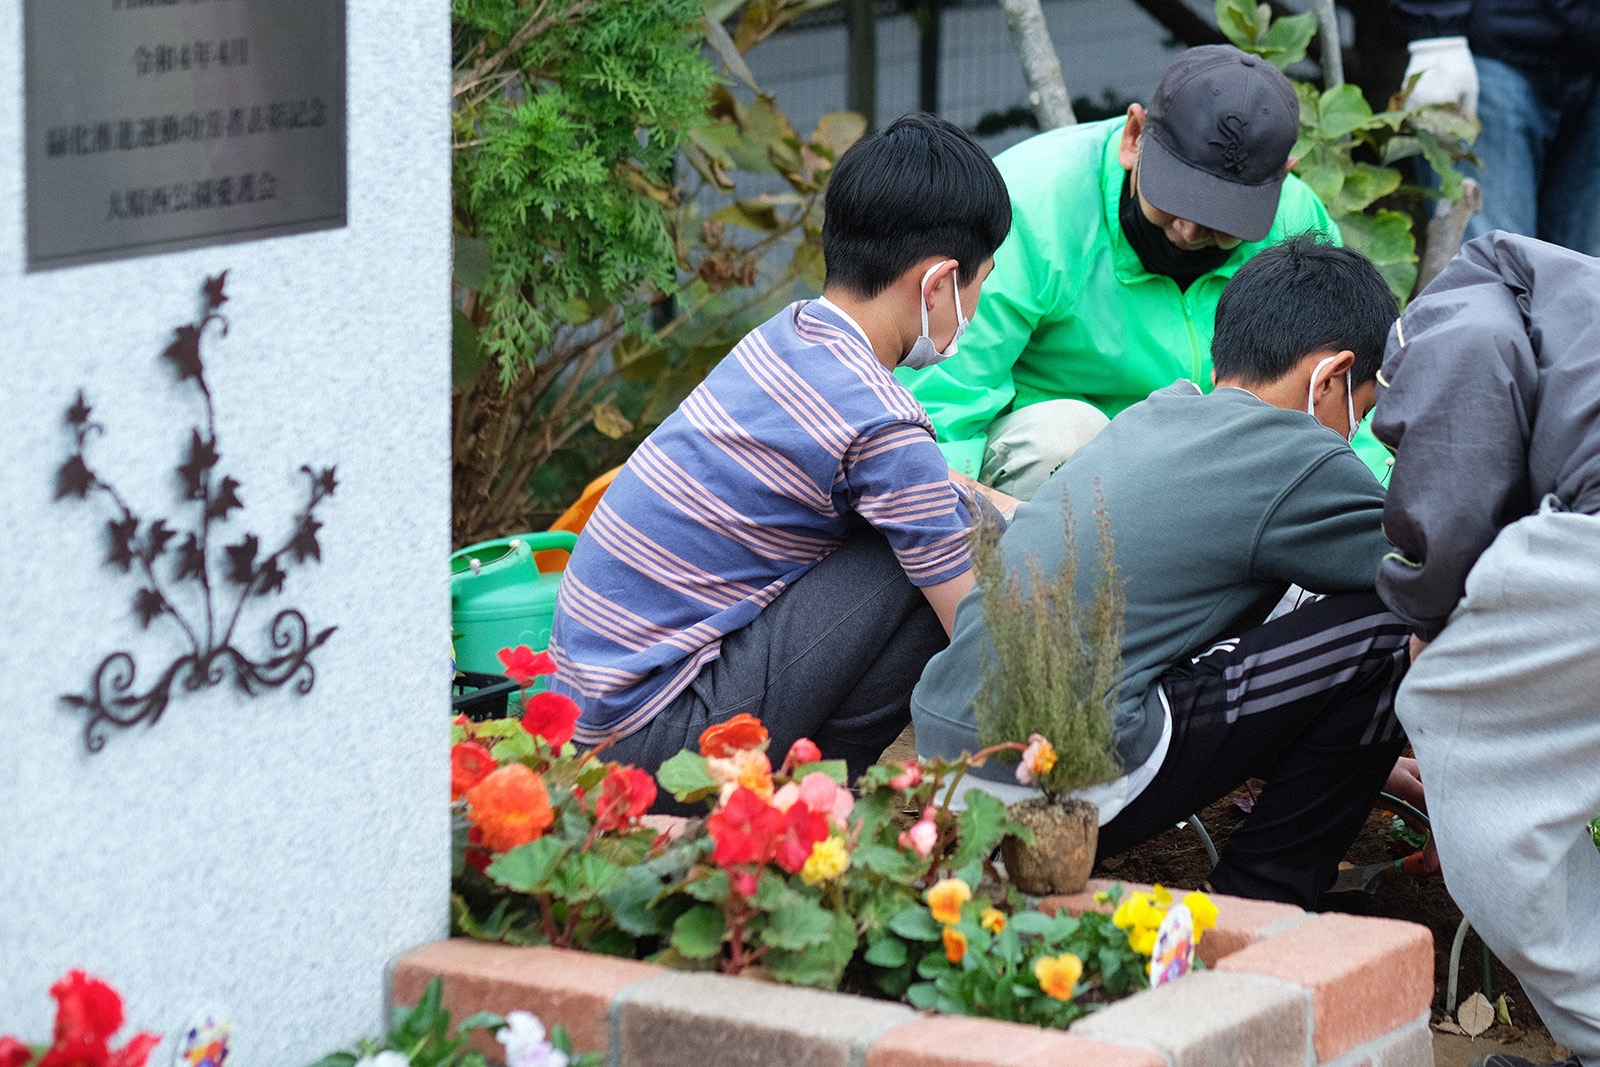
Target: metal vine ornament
x=242, y=575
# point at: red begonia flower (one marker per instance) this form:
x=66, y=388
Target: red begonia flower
x=802, y=752
x=737, y=734
x=87, y=1009
x=552, y=717
x=626, y=794
x=13, y=1053
x=745, y=829
x=523, y=664
x=470, y=763
x=84, y=1052
x=135, y=1052
x=802, y=830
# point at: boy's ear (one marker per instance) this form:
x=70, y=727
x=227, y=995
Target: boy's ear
x=942, y=267
x=1322, y=378
x=1128, y=149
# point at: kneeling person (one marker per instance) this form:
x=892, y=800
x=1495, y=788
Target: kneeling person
x=1218, y=503
x=789, y=543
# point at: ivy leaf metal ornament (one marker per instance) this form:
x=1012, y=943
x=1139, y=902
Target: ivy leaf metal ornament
x=213, y=648
x=225, y=499
x=74, y=478
x=195, y=471
x=242, y=560
x=147, y=604
x=122, y=533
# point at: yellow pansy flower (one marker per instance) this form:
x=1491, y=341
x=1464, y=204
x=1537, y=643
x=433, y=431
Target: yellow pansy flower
x=1058, y=975
x=955, y=944
x=1204, y=912
x=945, y=900
x=993, y=920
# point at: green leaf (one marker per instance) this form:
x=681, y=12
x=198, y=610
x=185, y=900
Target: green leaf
x=751, y=214
x=916, y=923
x=1341, y=110
x=836, y=769
x=1036, y=923
x=799, y=926
x=337, y=1059
x=1325, y=179
x=1285, y=42
x=923, y=996
x=472, y=262
x=980, y=828
x=698, y=933
x=889, y=952
x=483, y=1020
x=886, y=860
x=686, y=777
x=837, y=131
x=712, y=888
x=466, y=353
x=1439, y=158
x=527, y=868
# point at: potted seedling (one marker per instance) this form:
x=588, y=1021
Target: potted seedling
x=1052, y=678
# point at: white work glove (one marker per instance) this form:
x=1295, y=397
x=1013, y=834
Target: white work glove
x=1448, y=76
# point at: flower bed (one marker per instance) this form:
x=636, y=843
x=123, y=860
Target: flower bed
x=795, y=879
x=1283, y=988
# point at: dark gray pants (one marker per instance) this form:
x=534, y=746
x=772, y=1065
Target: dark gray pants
x=833, y=658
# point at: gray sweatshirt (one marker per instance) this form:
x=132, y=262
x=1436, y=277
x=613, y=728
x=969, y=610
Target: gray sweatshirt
x=1217, y=504
x=1492, y=402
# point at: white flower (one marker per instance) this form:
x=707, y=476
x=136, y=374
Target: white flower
x=386, y=1058
x=523, y=1037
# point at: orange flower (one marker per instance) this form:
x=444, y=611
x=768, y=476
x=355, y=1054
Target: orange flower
x=470, y=763
x=748, y=767
x=955, y=944
x=741, y=732
x=1058, y=975
x=993, y=920
x=945, y=900
x=510, y=807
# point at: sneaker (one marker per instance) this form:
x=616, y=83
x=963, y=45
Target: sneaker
x=1501, y=1059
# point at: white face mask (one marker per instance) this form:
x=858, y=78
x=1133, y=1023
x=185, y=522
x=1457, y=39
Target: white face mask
x=923, y=355
x=1349, y=397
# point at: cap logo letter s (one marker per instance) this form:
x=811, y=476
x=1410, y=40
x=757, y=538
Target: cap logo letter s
x=1234, y=152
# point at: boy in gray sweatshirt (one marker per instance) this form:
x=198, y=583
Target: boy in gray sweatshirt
x=1218, y=504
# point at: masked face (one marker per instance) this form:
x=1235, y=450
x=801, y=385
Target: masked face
x=1349, y=398
x=923, y=354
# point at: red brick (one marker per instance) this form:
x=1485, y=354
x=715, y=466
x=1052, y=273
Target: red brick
x=957, y=1041
x=558, y=985
x=1239, y=921
x=1366, y=976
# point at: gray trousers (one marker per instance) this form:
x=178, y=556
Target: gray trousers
x=1504, y=713
x=833, y=658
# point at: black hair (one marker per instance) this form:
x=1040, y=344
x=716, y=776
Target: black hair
x=920, y=188
x=1302, y=296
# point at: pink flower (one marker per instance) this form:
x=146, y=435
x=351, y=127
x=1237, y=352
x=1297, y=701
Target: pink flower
x=1038, y=758
x=802, y=752
x=910, y=777
x=827, y=797
x=923, y=836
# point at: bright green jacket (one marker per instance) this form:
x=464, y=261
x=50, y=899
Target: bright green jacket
x=1069, y=310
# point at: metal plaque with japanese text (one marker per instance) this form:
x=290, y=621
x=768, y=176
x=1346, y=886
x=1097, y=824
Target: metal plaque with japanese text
x=156, y=125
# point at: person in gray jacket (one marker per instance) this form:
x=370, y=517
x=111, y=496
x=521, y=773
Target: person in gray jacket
x=1490, y=398
x=1219, y=503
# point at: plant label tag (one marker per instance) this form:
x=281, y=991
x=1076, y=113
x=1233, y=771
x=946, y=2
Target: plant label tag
x=1173, y=955
x=205, y=1044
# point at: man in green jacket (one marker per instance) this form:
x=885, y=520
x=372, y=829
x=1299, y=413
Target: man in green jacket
x=1124, y=234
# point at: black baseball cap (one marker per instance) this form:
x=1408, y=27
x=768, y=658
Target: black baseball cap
x=1216, y=138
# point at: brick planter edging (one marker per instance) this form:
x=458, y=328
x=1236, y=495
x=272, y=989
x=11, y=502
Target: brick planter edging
x=1284, y=988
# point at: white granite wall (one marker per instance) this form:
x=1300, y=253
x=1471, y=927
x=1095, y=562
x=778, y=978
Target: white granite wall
x=259, y=859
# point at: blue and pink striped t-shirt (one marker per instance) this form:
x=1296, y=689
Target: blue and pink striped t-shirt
x=737, y=494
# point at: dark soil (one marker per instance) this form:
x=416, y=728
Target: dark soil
x=1177, y=858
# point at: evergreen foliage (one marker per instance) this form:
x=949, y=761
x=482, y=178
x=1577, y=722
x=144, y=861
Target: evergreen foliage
x=1056, y=668
x=567, y=121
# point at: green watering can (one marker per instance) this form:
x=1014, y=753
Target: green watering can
x=500, y=599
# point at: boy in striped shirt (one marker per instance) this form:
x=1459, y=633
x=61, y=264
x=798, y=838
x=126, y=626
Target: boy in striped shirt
x=789, y=542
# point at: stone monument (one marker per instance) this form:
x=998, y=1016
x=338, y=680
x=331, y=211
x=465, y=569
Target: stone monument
x=224, y=449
